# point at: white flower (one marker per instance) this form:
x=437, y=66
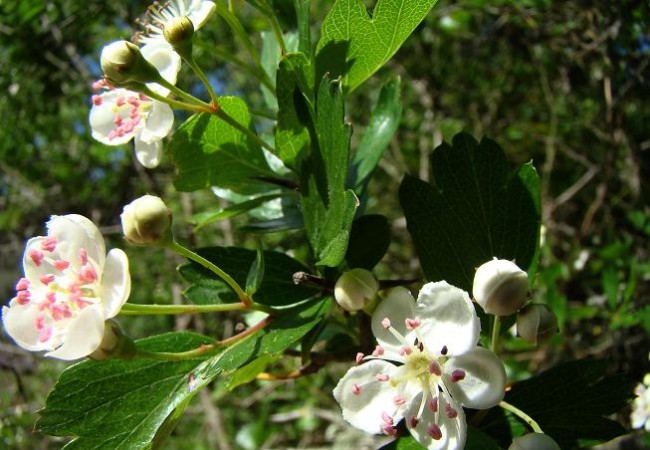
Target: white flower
x=640, y=416
x=119, y=115
x=198, y=11
x=426, y=367
x=71, y=286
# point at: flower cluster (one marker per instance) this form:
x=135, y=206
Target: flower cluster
x=426, y=368
x=120, y=114
x=70, y=288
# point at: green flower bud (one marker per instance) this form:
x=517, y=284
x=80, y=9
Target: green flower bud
x=536, y=323
x=147, y=221
x=500, y=287
x=115, y=344
x=534, y=441
x=179, y=32
x=123, y=64
x=355, y=289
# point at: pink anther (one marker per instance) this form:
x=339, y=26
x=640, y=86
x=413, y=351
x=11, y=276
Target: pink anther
x=386, y=418
x=385, y=322
x=121, y=101
x=97, y=100
x=83, y=256
x=388, y=430
x=36, y=257
x=48, y=244
x=405, y=350
x=433, y=404
x=356, y=389
x=61, y=265
x=434, y=431
x=22, y=284
x=378, y=351
x=434, y=368
x=59, y=312
x=412, y=324
x=359, y=358
x=457, y=375
x=23, y=297
x=45, y=333
x=414, y=421
x=450, y=411
x=399, y=400
x=88, y=274
x=382, y=377
x=46, y=279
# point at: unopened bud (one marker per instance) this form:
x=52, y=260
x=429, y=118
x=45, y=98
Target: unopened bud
x=536, y=323
x=534, y=441
x=123, y=64
x=115, y=344
x=500, y=287
x=147, y=221
x=355, y=289
x=179, y=32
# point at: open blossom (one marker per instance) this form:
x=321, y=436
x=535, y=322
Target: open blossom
x=640, y=416
x=426, y=367
x=119, y=115
x=160, y=15
x=70, y=288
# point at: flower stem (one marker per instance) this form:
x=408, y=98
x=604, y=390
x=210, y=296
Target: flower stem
x=525, y=417
x=131, y=309
x=496, y=333
x=238, y=29
x=175, y=103
x=199, y=72
x=183, y=251
x=182, y=94
x=233, y=123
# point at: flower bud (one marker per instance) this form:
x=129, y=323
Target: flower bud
x=147, y=221
x=534, y=441
x=115, y=344
x=179, y=32
x=355, y=289
x=500, y=287
x=536, y=323
x=123, y=64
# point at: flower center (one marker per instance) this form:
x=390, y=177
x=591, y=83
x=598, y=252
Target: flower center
x=130, y=112
x=61, y=292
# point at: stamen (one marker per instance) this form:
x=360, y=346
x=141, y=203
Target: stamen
x=49, y=244
x=389, y=430
x=97, y=100
x=399, y=400
x=46, y=279
x=412, y=324
x=83, y=256
x=414, y=421
x=434, y=368
x=359, y=358
x=434, y=431
x=23, y=297
x=444, y=350
x=457, y=375
x=405, y=350
x=388, y=420
x=379, y=350
x=88, y=274
x=61, y=265
x=433, y=405
x=385, y=322
x=356, y=389
x=22, y=284
x=382, y=377
x=36, y=257
x=450, y=411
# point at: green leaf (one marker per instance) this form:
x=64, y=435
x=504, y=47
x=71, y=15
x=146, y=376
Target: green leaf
x=118, y=404
x=304, y=23
x=476, y=440
x=355, y=45
x=204, y=218
x=328, y=209
x=256, y=272
x=284, y=331
x=277, y=287
x=369, y=240
x=209, y=152
x=570, y=402
x=473, y=212
x=250, y=371
x=377, y=136
x=294, y=88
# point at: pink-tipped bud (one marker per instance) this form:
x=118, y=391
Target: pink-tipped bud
x=500, y=287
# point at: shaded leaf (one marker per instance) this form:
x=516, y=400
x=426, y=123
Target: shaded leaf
x=473, y=211
x=369, y=240
x=204, y=218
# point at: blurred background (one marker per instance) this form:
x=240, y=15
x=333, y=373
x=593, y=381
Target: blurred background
x=562, y=83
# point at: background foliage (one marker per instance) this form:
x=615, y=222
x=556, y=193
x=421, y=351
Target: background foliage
x=562, y=83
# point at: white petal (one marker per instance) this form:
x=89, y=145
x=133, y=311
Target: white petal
x=200, y=11
x=364, y=410
x=397, y=306
x=33, y=272
x=74, y=232
x=102, y=118
x=148, y=154
x=158, y=123
x=83, y=336
x=116, y=282
x=163, y=57
x=454, y=431
x=485, y=378
x=448, y=319
x=18, y=322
